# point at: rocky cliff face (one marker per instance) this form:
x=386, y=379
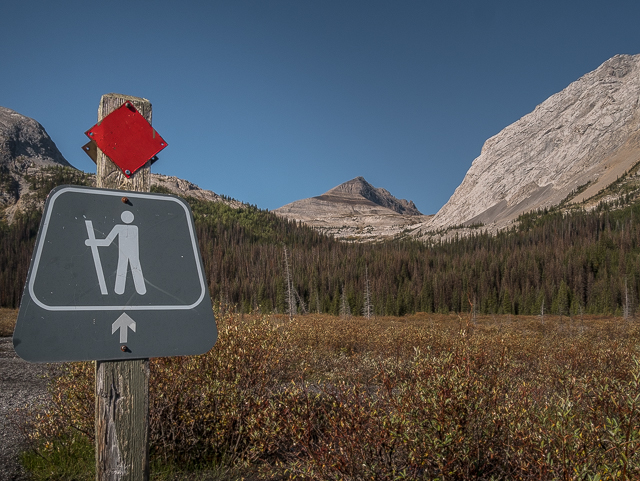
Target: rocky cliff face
x=587, y=133
x=25, y=148
x=23, y=139
x=355, y=210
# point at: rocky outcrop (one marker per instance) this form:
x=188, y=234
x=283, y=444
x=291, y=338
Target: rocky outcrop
x=184, y=188
x=24, y=143
x=356, y=210
x=587, y=133
x=25, y=148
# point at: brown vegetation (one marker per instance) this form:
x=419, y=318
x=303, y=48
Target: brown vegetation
x=419, y=397
x=7, y=321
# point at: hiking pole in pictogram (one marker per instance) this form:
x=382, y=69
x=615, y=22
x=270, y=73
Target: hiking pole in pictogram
x=93, y=243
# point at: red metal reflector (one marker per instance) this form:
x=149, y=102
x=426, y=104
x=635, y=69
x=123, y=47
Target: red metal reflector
x=126, y=138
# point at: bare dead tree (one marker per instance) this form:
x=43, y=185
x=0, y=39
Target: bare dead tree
x=290, y=296
x=367, y=310
x=303, y=306
x=627, y=309
x=345, y=310
x=224, y=298
x=474, y=312
x=316, y=300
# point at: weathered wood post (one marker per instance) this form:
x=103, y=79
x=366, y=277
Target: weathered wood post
x=122, y=387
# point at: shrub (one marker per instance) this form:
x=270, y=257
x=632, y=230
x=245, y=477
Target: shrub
x=419, y=397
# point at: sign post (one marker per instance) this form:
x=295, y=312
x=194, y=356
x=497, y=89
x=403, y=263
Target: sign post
x=122, y=387
x=116, y=277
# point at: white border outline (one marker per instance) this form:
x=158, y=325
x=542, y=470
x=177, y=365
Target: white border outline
x=115, y=193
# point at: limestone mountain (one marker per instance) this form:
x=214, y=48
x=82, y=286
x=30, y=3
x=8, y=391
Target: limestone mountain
x=580, y=139
x=25, y=148
x=355, y=209
x=355, y=189
x=24, y=143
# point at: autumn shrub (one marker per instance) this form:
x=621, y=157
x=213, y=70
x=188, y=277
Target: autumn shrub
x=7, y=321
x=208, y=407
x=420, y=397
x=512, y=407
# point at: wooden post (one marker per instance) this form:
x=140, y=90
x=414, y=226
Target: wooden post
x=122, y=387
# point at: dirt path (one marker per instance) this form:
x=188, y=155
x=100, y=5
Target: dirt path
x=21, y=384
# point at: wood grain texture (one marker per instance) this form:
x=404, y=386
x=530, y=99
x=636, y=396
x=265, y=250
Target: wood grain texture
x=122, y=420
x=122, y=387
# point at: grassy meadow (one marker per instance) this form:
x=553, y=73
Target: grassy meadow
x=418, y=397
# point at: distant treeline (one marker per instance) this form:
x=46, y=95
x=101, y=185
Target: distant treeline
x=581, y=262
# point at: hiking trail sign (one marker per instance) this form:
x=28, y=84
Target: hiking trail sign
x=115, y=275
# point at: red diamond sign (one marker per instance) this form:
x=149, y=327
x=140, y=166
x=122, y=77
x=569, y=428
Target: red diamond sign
x=126, y=138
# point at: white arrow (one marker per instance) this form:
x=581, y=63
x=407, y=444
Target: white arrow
x=122, y=323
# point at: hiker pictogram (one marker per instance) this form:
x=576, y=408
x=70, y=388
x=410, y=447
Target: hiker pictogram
x=128, y=254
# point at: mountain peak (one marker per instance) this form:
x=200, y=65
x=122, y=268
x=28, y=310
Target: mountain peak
x=356, y=210
x=22, y=138
x=382, y=197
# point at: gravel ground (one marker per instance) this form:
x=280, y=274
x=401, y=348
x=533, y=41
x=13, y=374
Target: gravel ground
x=21, y=384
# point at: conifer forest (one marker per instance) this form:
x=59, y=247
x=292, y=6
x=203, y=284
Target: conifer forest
x=553, y=262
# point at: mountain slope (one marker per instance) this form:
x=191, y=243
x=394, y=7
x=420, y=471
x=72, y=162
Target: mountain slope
x=23, y=138
x=357, y=210
x=25, y=149
x=587, y=133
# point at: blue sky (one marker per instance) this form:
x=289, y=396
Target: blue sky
x=273, y=101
